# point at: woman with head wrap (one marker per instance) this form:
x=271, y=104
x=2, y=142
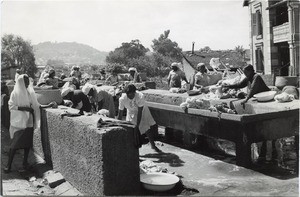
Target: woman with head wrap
x=112, y=78
x=72, y=83
x=201, y=77
x=52, y=80
x=75, y=72
x=175, y=76
x=253, y=81
x=25, y=117
x=100, y=98
x=134, y=75
x=79, y=99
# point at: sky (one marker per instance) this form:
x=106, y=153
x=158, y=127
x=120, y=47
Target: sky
x=105, y=25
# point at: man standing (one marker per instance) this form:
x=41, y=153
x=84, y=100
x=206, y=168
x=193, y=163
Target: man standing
x=137, y=113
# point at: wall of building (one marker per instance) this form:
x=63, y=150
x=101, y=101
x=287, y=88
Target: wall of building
x=188, y=70
x=264, y=41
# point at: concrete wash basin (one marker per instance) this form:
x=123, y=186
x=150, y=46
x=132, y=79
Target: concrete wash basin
x=259, y=121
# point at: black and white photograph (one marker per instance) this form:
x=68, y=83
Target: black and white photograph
x=150, y=97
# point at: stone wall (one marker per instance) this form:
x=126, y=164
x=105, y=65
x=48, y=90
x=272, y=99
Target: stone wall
x=96, y=161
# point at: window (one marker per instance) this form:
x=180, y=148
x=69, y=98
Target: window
x=259, y=22
x=259, y=57
x=257, y=26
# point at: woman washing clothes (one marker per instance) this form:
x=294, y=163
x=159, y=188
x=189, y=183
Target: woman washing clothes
x=100, y=98
x=254, y=82
x=134, y=75
x=78, y=99
x=52, y=80
x=25, y=117
x=201, y=77
x=175, y=76
x=137, y=113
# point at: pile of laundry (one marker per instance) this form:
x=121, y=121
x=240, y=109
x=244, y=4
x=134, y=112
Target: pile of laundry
x=148, y=166
x=196, y=103
x=222, y=108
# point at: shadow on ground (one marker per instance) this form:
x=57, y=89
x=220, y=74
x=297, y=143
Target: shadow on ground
x=162, y=157
x=287, y=170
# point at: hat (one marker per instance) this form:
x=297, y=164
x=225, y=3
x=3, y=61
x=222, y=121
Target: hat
x=132, y=69
x=66, y=91
x=249, y=67
x=200, y=65
x=86, y=88
x=174, y=64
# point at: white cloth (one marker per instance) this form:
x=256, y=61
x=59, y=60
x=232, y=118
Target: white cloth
x=87, y=87
x=66, y=90
x=146, y=121
x=131, y=105
x=132, y=69
x=16, y=76
x=23, y=97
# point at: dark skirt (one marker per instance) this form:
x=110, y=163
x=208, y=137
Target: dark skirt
x=5, y=113
x=22, y=139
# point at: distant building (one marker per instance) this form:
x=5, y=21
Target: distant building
x=274, y=36
x=230, y=59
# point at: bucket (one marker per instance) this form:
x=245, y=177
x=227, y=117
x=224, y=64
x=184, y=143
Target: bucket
x=46, y=96
x=282, y=81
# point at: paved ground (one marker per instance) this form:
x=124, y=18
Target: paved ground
x=32, y=182
x=203, y=172
x=217, y=175
x=19, y=183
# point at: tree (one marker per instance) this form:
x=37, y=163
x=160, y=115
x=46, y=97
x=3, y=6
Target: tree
x=205, y=49
x=240, y=50
x=128, y=51
x=166, y=47
x=16, y=52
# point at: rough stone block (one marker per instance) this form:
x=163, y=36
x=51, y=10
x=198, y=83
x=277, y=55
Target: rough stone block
x=71, y=192
x=55, y=179
x=96, y=161
x=41, y=145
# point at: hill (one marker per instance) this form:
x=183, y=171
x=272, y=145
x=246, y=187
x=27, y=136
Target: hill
x=68, y=53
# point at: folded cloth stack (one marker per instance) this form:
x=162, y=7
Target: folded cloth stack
x=284, y=97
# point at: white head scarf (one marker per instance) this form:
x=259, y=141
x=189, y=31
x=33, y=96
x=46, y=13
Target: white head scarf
x=25, y=97
x=86, y=88
x=132, y=69
x=66, y=91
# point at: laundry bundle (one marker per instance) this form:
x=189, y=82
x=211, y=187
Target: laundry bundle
x=284, y=97
x=195, y=103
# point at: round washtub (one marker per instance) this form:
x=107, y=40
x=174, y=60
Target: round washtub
x=46, y=96
x=282, y=81
x=265, y=96
x=158, y=181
